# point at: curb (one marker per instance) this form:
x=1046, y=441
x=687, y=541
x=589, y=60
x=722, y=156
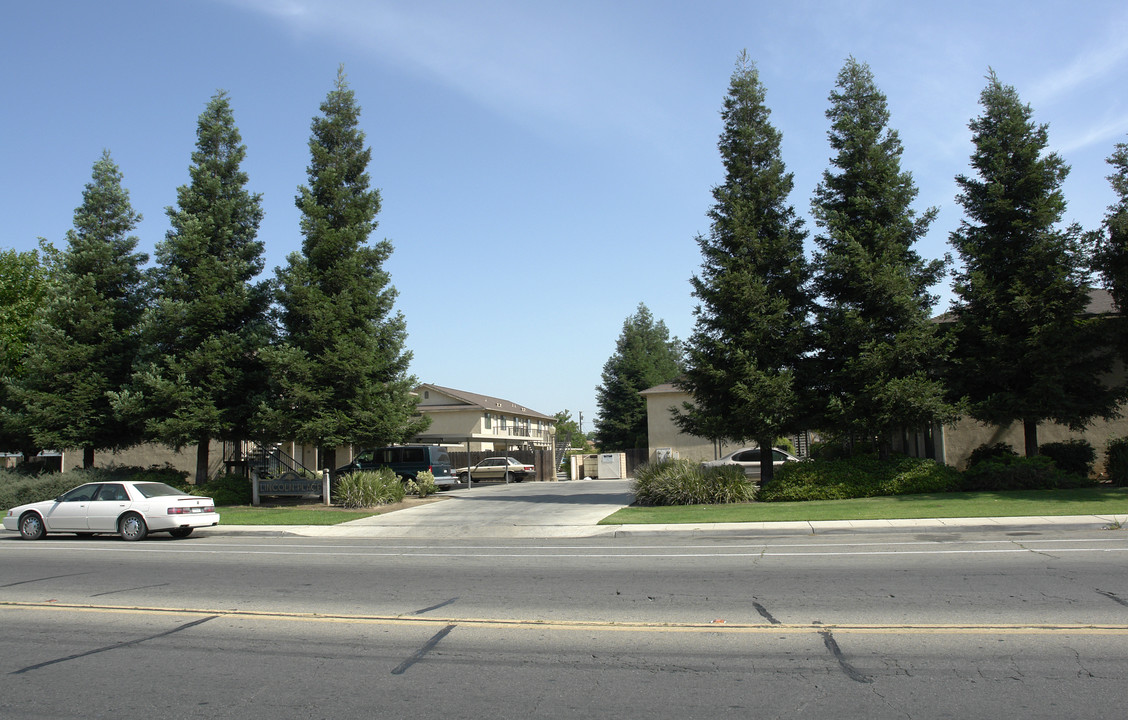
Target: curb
x=812, y=527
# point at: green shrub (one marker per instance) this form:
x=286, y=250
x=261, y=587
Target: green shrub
x=828, y=450
x=856, y=477
x=1075, y=457
x=368, y=488
x=1021, y=473
x=685, y=482
x=990, y=452
x=1116, y=461
x=18, y=489
x=423, y=484
x=226, y=490
x=785, y=444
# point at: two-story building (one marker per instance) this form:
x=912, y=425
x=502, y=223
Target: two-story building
x=486, y=423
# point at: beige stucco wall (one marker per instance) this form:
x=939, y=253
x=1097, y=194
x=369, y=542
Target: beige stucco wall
x=960, y=440
x=145, y=456
x=663, y=432
x=454, y=422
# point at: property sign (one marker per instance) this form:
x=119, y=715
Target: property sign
x=291, y=484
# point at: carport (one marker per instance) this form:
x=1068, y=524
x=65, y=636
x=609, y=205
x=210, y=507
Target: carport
x=448, y=439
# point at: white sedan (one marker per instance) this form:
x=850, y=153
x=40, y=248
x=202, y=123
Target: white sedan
x=749, y=460
x=130, y=509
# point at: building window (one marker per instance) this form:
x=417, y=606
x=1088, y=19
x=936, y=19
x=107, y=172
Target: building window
x=489, y=422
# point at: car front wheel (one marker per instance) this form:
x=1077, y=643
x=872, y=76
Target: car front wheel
x=31, y=527
x=132, y=527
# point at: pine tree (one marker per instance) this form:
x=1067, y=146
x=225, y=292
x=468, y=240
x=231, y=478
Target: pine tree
x=23, y=281
x=1024, y=351
x=203, y=378
x=340, y=375
x=645, y=356
x=86, y=342
x=1112, y=257
x=875, y=342
x=752, y=325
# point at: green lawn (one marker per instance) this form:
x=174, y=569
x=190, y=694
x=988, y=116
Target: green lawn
x=1105, y=501
x=298, y=515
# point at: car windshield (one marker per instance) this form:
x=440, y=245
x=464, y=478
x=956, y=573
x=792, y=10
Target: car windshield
x=155, y=489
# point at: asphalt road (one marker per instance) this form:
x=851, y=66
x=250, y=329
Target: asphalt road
x=1018, y=623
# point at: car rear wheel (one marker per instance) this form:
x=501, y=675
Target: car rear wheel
x=180, y=532
x=31, y=527
x=132, y=527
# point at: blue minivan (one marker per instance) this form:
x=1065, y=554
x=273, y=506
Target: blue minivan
x=407, y=461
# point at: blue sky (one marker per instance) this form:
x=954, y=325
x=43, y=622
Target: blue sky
x=544, y=167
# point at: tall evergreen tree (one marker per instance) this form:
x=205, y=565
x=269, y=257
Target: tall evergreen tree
x=1112, y=256
x=1024, y=351
x=202, y=376
x=645, y=356
x=23, y=281
x=752, y=326
x=86, y=342
x=340, y=375
x=876, y=346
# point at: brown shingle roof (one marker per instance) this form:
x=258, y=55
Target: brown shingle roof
x=485, y=402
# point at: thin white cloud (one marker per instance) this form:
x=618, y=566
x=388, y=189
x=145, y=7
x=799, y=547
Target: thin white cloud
x=1109, y=56
x=1106, y=132
x=532, y=63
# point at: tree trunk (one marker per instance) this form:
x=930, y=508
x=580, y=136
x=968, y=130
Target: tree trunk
x=88, y=457
x=202, y=460
x=767, y=462
x=1030, y=431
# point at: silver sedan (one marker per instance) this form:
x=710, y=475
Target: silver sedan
x=749, y=460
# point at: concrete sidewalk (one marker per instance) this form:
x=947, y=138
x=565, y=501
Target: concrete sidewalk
x=574, y=509
x=360, y=529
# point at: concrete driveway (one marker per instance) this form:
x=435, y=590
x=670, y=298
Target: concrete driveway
x=530, y=509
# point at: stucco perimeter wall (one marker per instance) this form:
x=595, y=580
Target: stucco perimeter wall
x=664, y=432
x=961, y=440
x=148, y=455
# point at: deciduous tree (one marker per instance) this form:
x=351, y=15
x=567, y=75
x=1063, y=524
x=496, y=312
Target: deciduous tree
x=22, y=288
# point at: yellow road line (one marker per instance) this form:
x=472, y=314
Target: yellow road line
x=606, y=625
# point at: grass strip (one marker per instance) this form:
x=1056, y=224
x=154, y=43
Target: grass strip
x=246, y=515
x=1019, y=503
